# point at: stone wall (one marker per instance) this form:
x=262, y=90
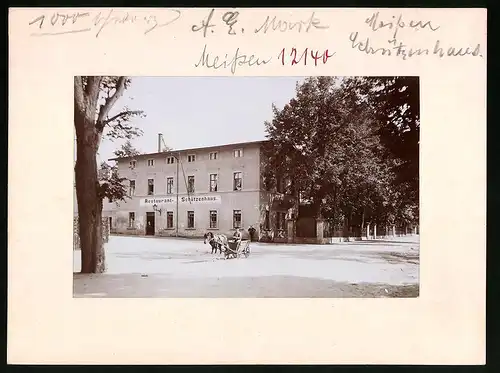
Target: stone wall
x=76, y=236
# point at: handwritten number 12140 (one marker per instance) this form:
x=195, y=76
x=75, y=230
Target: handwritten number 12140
x=295, y=57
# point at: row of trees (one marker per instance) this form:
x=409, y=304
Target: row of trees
x=352, y=146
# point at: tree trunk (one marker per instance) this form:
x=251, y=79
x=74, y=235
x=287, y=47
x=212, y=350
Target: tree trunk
x=88, y=199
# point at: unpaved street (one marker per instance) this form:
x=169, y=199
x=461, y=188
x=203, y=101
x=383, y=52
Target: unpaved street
x=165, y=267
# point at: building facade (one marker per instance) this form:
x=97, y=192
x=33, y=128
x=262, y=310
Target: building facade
x=186, y=193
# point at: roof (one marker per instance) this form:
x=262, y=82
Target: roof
x=190, y=150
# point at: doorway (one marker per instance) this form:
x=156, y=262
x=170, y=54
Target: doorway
x=110, y=223
x=150, y=223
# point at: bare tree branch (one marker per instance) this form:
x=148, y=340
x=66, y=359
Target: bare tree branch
x=110, y=101
x=122, y=114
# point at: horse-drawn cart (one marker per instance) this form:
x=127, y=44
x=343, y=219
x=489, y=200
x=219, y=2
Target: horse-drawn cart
x=237, y=248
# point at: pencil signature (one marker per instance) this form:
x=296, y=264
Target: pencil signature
x=59, y=23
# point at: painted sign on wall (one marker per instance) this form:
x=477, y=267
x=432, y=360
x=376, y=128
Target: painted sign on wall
x=149, y=201
x=200, y=199
x=157, y=201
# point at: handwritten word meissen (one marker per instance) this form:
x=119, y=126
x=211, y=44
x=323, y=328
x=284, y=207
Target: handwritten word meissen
x=398, y=23
x=232, y=61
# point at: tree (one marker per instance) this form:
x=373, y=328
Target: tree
x=94, y=99
x=126, y=150
x=325, y=139
x=395, y=103
x=112, y=185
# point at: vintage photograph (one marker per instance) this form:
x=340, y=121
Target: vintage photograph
x=249, y=187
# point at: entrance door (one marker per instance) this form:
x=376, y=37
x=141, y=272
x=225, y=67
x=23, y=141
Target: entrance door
x=110, y=223
x=150, y=223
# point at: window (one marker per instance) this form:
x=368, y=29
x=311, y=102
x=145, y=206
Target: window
x=213, y=219
x=170, y=160
x=191, y=158
x=213, y=182
x=213, y=156
x=236, y=219
x=170, y=185
x=266, y=221
x=238, y=153
x=131, y=189
x=170, y=219
x=190, y=219
x=133, y=164
x=151, y=162
x=190, y=188
x=131, y=219
x=281, y=220
x=151, y=187
x=237, y=178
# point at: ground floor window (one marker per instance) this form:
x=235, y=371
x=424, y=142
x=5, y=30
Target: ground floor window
x=131, y=219
x=190, y=217
x=213, y=219
x=170, y=219
x=236, y=219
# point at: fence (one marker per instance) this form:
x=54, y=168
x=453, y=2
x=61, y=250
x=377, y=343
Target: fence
x=76, y=235
x=371, y=231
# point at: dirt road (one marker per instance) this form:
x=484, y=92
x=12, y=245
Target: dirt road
x=156, y=267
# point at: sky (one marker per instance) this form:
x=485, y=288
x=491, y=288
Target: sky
x=200, y=111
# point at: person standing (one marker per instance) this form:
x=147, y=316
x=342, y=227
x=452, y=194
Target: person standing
x=251, y=232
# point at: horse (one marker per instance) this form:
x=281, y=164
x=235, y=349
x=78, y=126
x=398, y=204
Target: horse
x=217, y=241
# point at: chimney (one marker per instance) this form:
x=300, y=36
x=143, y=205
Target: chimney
x=159, y=142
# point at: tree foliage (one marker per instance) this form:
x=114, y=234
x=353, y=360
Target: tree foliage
x=335, y=143
x=112, y=186
x=126, y=150
x=395, y=103
x=107, y=90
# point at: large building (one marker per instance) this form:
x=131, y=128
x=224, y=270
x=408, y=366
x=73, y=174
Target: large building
x=189, y=192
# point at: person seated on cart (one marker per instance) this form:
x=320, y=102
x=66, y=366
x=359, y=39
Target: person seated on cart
x=236, y=239
x=237, y=236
